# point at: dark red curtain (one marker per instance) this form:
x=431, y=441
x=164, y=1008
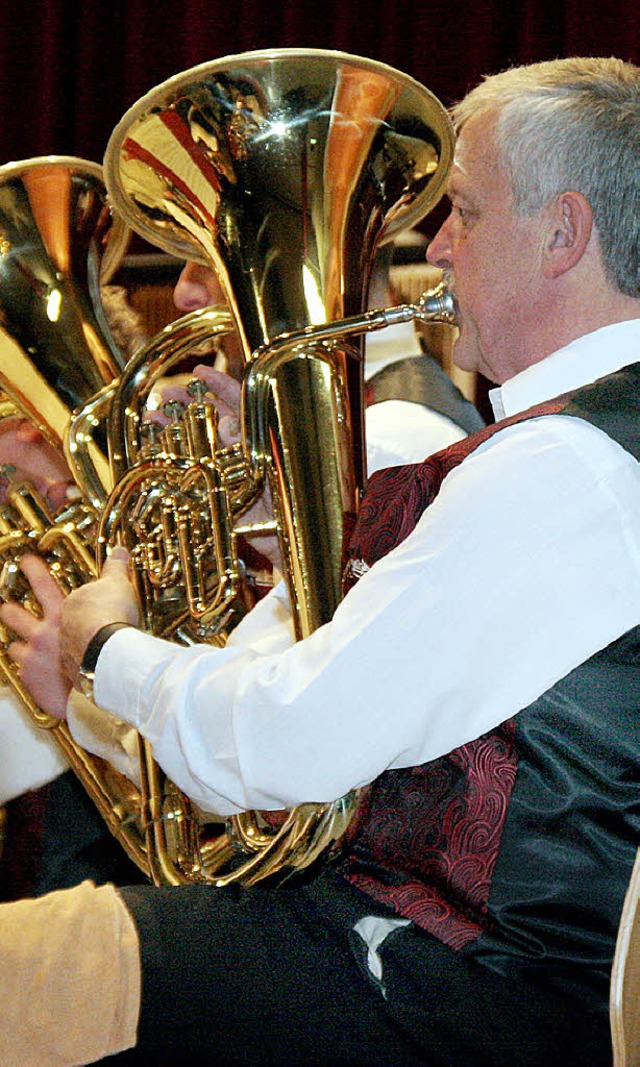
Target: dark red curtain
x=70, y=68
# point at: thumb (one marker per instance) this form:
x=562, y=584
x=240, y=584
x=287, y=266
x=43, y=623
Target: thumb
x=116, y=563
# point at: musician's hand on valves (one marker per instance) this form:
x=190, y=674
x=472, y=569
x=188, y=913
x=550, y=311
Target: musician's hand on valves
x=224, y=393
x=111, y=598
x=36, y=650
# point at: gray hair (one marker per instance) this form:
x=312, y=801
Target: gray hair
x=572, y=124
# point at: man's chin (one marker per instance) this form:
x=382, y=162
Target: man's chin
x=464, y=353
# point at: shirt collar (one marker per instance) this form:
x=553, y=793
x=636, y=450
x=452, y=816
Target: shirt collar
x=583, y=361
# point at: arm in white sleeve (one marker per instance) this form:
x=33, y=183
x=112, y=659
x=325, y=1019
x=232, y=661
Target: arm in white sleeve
x=268, y=628
x=525, y=565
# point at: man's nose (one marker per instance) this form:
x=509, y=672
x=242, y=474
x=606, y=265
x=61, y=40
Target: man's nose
x=439, y=249
x=197, y=287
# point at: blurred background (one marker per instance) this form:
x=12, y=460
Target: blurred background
x=69, y=69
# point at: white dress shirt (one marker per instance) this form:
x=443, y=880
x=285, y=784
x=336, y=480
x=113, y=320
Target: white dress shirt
x=526, y=564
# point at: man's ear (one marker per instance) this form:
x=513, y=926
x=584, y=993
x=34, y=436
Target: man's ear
x=570, y=224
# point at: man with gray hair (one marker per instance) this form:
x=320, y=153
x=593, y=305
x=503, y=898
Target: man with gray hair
x=471, y=920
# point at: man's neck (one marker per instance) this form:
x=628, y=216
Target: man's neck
x=575, y=315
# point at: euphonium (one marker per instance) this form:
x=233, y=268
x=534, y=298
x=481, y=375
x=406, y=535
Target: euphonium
x=58, y=244
x=284, y=170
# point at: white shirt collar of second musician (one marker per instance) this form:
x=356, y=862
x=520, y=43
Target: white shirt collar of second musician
x=583, y=361
x=390, y=345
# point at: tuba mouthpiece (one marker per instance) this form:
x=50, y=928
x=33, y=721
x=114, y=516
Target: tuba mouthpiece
x=437, y=305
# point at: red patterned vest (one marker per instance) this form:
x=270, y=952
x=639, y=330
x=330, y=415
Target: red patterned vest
x=505, y=847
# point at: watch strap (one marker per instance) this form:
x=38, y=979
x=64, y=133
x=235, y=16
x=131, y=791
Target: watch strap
x=97, y=643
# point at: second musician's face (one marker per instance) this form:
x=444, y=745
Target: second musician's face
x=197, y=287
x=494, y=254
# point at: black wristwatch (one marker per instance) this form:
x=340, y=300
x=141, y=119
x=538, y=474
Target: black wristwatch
x=87, y=672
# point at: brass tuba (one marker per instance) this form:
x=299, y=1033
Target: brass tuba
x=284, y=170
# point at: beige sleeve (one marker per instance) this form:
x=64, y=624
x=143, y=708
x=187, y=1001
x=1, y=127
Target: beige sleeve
x=624, y=998
x=69, y=978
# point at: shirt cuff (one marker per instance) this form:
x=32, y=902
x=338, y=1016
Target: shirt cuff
x=104, y=735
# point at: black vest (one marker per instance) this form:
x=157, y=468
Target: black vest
x=516, y=848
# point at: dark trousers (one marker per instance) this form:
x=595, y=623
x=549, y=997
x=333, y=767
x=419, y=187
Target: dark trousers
x=267, y=976
x=55, y=839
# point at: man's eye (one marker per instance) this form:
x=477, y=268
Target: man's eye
x=464, y=214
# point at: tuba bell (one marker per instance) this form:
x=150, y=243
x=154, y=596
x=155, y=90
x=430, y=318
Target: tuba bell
x=283, y=170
